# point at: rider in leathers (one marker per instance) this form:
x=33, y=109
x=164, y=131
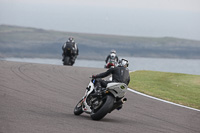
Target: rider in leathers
x=112, y=56
x=119, y=74
x=75, y=50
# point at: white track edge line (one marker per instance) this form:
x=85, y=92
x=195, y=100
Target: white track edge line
x=162, y=100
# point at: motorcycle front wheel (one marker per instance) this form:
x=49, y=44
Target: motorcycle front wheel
x=78, y=108
x=67, y=61
x=104, y=109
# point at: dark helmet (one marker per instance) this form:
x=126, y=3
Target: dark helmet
x=71, y=39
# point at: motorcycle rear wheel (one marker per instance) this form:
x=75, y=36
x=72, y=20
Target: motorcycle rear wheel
x=78, y=108
x=104, y=109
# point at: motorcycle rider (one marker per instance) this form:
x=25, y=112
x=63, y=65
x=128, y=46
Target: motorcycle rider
x=112, y=56
x=119, y=74
x=71, y=43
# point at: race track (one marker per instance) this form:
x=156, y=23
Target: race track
x=39, y=98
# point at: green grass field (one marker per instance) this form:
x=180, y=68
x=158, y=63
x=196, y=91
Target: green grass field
x=175, y=87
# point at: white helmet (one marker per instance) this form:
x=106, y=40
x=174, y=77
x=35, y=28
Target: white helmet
x=112, y=55
x=124, y=62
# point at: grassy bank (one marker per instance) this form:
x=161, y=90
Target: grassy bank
x=175, y=87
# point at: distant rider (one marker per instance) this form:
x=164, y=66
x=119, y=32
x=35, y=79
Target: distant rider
x=112, y=57
x=70, y=43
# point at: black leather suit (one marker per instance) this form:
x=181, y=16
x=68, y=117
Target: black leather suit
x=119, y=74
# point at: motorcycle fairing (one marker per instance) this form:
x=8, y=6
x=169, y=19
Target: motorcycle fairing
x=117, y=89
x=89, y=89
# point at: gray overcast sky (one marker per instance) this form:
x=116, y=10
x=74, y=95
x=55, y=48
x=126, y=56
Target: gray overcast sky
x=151, y=18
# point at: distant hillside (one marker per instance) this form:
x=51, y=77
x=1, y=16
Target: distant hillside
x=18, y=41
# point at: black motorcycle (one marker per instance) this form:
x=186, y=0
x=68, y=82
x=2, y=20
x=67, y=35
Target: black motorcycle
x=69, y=56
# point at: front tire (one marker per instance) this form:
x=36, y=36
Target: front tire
x=78, y=108
x=105, y=108
x=67, y=61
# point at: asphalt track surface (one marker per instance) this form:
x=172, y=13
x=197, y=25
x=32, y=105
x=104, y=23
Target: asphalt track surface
x=39, y=98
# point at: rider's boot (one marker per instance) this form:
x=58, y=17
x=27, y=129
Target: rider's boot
x=119, y=107
x=121, y=102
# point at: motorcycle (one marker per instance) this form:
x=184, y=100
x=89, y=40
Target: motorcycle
x=69, y=57
x=98, y=102
x=111, y=63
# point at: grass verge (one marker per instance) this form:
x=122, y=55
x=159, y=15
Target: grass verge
x=179, y=88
